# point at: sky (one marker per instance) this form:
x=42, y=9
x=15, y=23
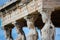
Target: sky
x=2, y=2
x=26, y=30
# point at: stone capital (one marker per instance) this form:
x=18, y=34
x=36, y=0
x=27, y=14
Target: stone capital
x=31, y=17
x=46, y=10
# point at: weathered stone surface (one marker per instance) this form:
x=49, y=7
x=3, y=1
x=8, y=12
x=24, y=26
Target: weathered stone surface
x=20, y=32
x=32, y=35
x=8, y=33
x=48, y=31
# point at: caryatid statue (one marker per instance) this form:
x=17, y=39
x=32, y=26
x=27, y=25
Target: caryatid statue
x=48, y=31
x=24, y=3
x=8, y=32
x=33, y=34
x=20, y=32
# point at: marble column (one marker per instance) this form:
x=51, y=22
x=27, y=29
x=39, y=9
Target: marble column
x=8, y=33
x=33, y=34
x=48, y=31
x=20, y=32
